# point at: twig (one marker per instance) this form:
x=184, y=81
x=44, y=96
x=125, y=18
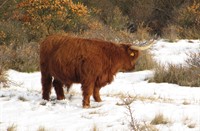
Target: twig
x=3, y=3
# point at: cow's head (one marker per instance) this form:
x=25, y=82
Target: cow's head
x=132, y=53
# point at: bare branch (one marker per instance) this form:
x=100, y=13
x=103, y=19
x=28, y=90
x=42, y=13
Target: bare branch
x=3, y=4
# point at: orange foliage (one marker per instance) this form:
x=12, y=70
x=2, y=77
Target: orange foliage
x=59, y=7
x=48, y=12
x=194, y=10
x=2, y=35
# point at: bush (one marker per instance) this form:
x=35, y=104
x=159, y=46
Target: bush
x=15, y=51
x=142, y=32
x=42, y=18
x=22, y=58
x=138, y=11
x=171, y=33
x=9, y=33
x=194, y=62
x=117, y=21
x=188, y=20
x=101, y=31
x=163, y=14
x=179, y=74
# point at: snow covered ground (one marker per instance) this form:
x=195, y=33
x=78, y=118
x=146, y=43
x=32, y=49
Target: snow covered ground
x=20, y=104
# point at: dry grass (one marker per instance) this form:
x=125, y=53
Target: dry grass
x=194, y=62
x=41, y=128
x=134, y=124
x=95, y=128
x=177, y=74
x=190, y=33
x=148, y=127
x=159, y=119
x=123, y=96
x=171, y=74
x=3, y=78
x=13, y=127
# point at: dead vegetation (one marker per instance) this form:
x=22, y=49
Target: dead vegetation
x=159, y=119
x=180, y=74
x=3, y=78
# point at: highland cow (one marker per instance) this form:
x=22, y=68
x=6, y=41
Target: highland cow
x=65, y=60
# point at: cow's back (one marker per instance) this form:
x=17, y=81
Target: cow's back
x=72, y=59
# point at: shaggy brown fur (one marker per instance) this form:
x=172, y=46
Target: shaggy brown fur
x=93, y=63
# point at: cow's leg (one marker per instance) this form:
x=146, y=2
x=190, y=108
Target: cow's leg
x=58, y=86
x=96, y=94
x=46, y=85
x=87, y=92
x=68, y=85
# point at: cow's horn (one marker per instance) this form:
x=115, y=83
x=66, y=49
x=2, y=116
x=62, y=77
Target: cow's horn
x=148, y=45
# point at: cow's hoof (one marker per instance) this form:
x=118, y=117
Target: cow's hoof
x=86, y=107
x=60, y=97
x=99, y=100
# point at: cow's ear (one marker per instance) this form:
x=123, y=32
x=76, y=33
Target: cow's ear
x=125, y=46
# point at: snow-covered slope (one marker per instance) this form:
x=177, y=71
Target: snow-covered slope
x=20, y=104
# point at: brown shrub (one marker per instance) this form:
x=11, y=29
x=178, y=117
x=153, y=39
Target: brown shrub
x=12, y=33
x=194, y=63
x=187, y=18
x=107, y=33
x=23, y=57
x=171, y=33
x=178, y=74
